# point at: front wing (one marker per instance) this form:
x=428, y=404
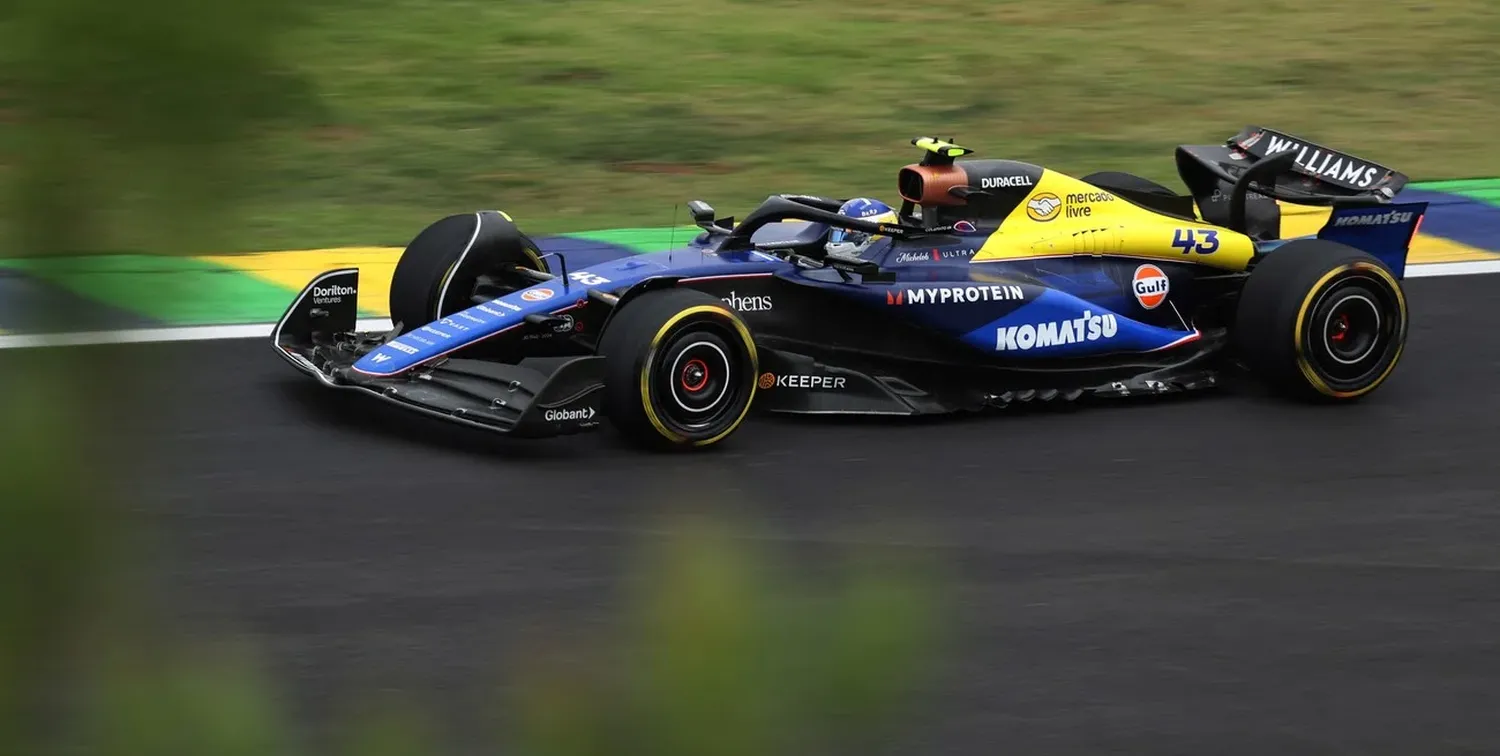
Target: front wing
x=318, y=336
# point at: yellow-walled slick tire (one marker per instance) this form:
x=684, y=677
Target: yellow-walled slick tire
x=681, y=370
x=1321, y=320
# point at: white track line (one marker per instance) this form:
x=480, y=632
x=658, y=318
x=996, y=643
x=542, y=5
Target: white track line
x=150, y=335
x=263, y=330
x=1429, y=270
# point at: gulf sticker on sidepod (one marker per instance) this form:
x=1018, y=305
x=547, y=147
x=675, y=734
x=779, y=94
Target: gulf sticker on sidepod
x=1150, y=286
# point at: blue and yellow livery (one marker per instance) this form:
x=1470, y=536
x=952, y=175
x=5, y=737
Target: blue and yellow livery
x=1001, y=281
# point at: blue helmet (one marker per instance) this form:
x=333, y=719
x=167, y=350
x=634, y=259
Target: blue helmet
x=853, y=242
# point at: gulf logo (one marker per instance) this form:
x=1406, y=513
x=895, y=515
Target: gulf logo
x=1150, y=286
x=536, y=295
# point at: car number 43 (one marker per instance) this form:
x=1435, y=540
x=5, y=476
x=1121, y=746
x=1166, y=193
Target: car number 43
x=588, y=279
x=1202, y=241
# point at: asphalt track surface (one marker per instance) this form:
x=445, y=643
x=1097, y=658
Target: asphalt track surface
x=1229, y=574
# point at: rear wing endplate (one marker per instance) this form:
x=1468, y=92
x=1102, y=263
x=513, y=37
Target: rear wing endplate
x=1386, y=232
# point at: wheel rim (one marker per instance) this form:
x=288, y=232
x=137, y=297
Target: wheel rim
x=698, y=378
x=1353, y=331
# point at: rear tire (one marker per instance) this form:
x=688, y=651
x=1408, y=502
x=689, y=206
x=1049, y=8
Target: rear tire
x=1321, y=320
x=681, y=370
x=439, y=269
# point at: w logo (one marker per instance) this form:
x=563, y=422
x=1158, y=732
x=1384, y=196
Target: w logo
x=895, y=297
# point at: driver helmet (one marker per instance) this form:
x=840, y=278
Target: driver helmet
x=849, y=242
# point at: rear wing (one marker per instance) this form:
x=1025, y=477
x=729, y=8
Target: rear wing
x=1330, y=171
x=1277, y=165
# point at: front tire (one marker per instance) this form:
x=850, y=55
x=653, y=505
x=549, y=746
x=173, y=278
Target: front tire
x=442, y=267
x=681, y=370
x=1321, y=320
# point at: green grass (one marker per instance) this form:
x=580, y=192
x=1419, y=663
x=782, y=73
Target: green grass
x=585, y=114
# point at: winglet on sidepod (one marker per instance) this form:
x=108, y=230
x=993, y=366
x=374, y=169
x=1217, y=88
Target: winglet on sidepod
x=1385, y=231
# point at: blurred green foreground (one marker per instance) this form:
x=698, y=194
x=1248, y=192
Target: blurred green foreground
x=158, y=106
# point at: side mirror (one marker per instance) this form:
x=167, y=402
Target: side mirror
x=702, y=212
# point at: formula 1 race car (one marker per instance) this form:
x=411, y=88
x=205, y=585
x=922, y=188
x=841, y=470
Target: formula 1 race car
x=1000, y=282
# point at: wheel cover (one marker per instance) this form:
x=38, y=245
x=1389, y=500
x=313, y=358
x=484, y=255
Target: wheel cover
x=1351, y=331
x=1351, y=327
x=699, y=377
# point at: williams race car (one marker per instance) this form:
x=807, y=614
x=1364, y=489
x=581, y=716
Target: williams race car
x=996, y=282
